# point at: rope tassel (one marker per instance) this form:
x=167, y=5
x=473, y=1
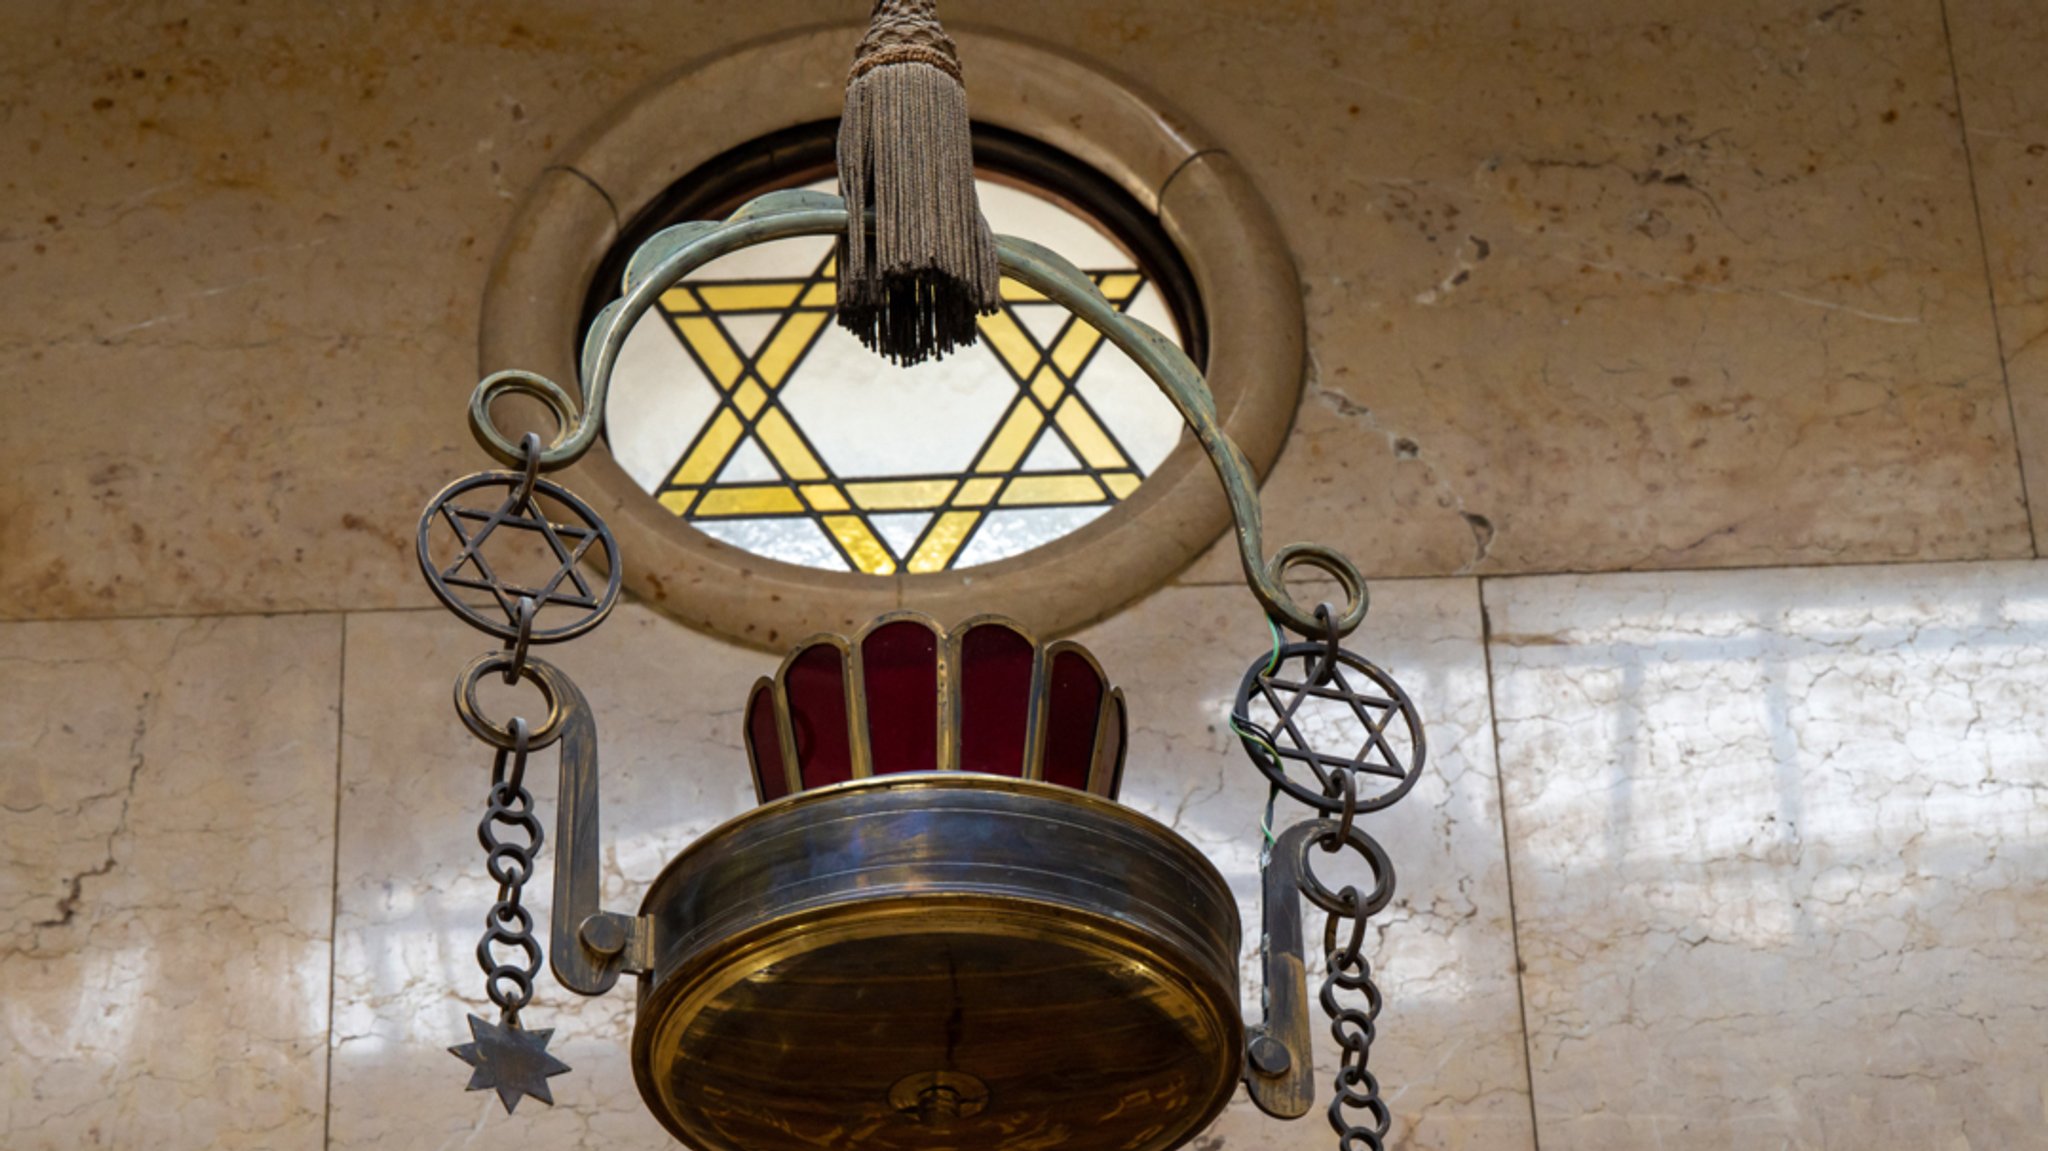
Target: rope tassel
x=918, y=263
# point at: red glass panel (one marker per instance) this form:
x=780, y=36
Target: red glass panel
x=901, y=663
x=995, y=699
x=1074, y=693
x=764, y=748
x=816, y=683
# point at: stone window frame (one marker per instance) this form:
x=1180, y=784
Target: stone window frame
x=1244, y=275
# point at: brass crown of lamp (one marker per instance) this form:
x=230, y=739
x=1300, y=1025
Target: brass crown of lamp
x=939, y=929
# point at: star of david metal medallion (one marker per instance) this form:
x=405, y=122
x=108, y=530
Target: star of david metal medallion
x=1347, y=717
x=512, y=1062
x=474, y=512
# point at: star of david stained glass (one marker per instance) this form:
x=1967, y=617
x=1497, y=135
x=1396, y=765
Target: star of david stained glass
x=746, y=412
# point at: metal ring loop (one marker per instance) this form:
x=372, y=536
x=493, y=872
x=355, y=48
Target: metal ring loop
x=509, y=805
x=1326, y=666
x=481, y=727
x=512, y=781
x=523, y=941
x=509, y=878
x=1353, y=951
x=494, y=970
x=1375, y=856
x=1329, y=561
x=1355, y=1035
x=529, y=447
x=1339, y=781
x=522, y=993
x=1362, y=981
x=526, y=822
x=528, y=610
x=560, y=404
x=501, y=919
x=1360, y=1089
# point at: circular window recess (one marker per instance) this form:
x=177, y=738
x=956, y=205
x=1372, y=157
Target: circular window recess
x=768, y=477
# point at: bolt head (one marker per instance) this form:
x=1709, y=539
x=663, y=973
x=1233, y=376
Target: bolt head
x=1269, y=1056
x=604, y=934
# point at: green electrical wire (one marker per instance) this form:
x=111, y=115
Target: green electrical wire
x=1243, y=726
x=1251, y=734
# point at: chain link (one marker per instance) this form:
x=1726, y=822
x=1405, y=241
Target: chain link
x=1326, y=666
x=523, y=616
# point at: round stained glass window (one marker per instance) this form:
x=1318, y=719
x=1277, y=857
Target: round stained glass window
x=747, y=412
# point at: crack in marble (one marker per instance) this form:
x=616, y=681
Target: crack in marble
x=74, y=885
x=1406, y=449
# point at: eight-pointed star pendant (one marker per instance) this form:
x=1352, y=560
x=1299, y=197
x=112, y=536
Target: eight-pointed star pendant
x=511, y=1061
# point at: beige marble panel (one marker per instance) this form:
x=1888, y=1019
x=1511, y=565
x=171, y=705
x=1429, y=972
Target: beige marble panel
x=1615, y=284
x=1777, y=842
x=256, y=242
x=166, y=817
x=1607, y=285
x=413, y=889
x=1999, y=46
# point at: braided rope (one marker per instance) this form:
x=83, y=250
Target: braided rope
x=905, y=32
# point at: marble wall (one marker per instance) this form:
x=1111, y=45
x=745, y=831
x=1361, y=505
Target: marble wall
x=1678, y=367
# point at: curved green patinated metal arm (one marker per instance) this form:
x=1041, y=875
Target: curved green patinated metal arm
x=675, y=252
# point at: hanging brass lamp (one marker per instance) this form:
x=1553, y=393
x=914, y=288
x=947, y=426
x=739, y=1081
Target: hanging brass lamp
x=947, y=907
x=939, y=929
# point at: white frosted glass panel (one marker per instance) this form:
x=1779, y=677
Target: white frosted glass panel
x=656, y=391
x=1005, y=534
x=1043, y=321
x=869, y=417
x=1050, y=456
x=749, y=332
x=797, y=541
x=791, y=259
x=748, y=465
x=900, y=531
x=1012, y=211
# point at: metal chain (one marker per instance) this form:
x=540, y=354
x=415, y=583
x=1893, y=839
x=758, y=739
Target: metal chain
x=475, y=544
x=1358, y=1114
x=508, y=924
x=508, y=953
x=510, y=832
x=1358, y=1091
x=509, y=980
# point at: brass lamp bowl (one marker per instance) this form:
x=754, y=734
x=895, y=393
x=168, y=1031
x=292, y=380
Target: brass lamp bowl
x=929, y=961
x=945, y=934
